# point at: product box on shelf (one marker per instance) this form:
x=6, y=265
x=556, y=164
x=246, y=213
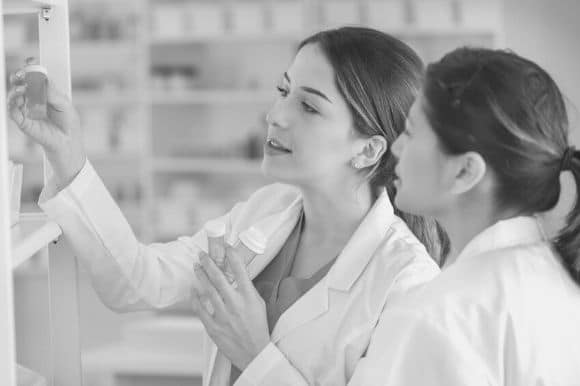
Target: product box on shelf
x=387, y=15
x=336, y=13
x=287, y=17
x=480, y=14
x=247, y=18
x=434, y=14
x=205, y=20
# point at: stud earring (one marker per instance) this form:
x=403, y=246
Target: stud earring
x=355, y=164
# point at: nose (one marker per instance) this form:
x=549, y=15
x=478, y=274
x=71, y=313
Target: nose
x=278, y=114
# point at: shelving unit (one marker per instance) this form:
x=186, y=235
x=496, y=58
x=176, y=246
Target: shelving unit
x=194, y=79
x=33, y=234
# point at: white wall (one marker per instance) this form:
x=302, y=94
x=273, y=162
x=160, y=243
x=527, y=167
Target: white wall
x=548, y=32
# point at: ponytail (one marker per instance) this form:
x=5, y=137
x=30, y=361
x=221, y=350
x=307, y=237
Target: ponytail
x=567, y=242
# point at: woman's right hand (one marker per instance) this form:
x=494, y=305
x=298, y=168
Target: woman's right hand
x=59, y=134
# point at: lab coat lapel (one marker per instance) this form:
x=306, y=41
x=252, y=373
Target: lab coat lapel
x=348, y=267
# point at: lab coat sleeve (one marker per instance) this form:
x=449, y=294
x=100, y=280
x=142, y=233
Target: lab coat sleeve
x=126, y=274
x=271, y=367
x=407, y=349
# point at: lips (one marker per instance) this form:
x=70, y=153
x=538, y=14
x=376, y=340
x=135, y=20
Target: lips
x=277, y=145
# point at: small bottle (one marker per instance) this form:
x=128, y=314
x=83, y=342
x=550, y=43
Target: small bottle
x=252, y=242
x=35, y=77
x=216, y=231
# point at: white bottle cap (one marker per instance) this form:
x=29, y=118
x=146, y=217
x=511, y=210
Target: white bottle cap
x=215, y=228
x=254, y=239
x=35, y=68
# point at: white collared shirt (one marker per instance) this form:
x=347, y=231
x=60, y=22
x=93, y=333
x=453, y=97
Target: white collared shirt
x=506, y=312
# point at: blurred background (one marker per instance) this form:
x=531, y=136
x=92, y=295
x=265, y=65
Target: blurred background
x=173, y=96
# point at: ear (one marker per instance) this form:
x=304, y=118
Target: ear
x=470, y=171
x=372, y=150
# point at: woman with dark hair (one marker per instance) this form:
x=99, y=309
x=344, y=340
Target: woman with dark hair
x=336, y=251
x=483, y=151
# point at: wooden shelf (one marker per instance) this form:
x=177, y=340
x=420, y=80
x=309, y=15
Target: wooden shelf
x=32, y=233
x=20, y=7
x=207, y=165
x=212, y=97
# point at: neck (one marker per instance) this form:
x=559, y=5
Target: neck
x=332, y=213
x=465, y=222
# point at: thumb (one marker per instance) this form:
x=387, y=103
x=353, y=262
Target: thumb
x=56, y=98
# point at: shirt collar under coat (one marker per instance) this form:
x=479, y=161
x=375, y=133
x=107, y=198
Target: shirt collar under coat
x=516, y=231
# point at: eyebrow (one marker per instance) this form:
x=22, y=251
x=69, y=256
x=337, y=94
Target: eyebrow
x=309, y=89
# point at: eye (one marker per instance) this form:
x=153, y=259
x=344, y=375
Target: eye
x=308, y=108
x=282, y=91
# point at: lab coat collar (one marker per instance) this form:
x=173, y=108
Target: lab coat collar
x=508, y=233
x=348, y=267
x=362, y=245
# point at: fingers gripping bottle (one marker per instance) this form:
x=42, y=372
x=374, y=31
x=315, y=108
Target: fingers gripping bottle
x=216, y=231
x=35, y=77
x=251, y=242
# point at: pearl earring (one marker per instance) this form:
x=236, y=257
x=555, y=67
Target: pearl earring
x=355, y=164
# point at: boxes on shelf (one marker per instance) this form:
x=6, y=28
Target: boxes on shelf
x=169, y=21
x=480, y=14
x=387, y=15
x=205, y=20
x=247, y=18
x=287, y=17
x=434, y=14
x=337, y=13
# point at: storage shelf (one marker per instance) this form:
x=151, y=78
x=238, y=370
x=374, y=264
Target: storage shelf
x=20, y=7
x=211, y=97
x=437, y=33
x=32, y=233
x=267, y=36
x=207, y=165
x=105, y=98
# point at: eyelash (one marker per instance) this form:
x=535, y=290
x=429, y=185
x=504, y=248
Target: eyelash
x=309, y=109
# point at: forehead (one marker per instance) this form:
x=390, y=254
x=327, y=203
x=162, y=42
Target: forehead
x=311, y=68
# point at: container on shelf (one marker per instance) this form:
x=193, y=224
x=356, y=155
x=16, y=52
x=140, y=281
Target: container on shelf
x=247, y=18
x=287, y=17
x=386, y=15
x=433, y=14
x=204, y=20
x=480, y=14
x=337, y=13
x=169, y=21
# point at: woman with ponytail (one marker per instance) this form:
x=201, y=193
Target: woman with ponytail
x=483, y=151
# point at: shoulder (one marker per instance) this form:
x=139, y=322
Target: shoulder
x=266, y=201
x=404, y=257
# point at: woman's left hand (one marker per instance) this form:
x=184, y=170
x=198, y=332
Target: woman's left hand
x=235, y=318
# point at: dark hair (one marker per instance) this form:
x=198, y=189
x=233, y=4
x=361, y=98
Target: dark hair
x=511, y=112
x=379, y=77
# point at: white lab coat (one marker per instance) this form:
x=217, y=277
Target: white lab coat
x=504, y=313
x=318, y=340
